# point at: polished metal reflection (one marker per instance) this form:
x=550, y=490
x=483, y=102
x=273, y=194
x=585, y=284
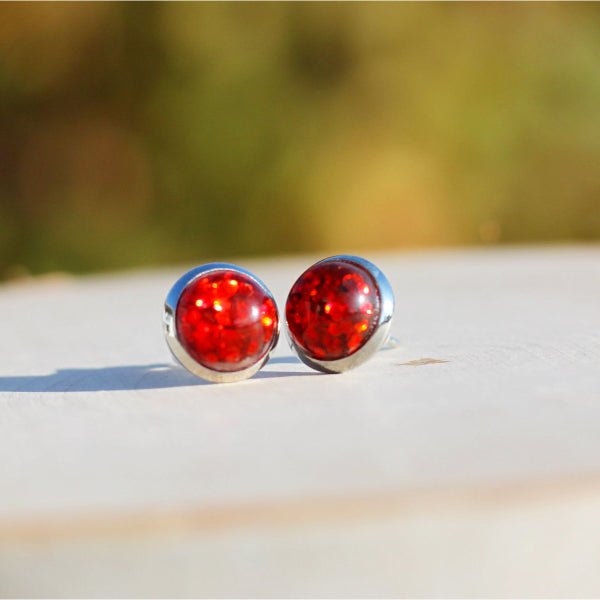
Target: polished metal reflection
x=170, y=328
x=380, y=335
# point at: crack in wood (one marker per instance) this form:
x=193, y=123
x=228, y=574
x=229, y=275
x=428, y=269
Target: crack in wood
x=422, y=361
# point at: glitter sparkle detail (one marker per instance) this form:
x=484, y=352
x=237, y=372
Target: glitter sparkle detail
x=225, y=321
x=332, y=310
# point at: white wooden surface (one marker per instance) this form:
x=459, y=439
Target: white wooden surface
x=122, y=475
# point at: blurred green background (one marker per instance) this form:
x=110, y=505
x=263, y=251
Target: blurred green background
x=151, y=133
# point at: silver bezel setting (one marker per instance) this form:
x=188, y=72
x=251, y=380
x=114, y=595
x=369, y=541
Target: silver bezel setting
x=170, y=328
x=382, y=329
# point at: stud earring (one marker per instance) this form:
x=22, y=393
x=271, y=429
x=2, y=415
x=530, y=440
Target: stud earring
x=220, y=322
x=339, y=313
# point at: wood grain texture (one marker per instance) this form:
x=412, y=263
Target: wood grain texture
x=464, y=462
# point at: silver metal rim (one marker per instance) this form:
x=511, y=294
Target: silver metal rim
x=170, y=329
x=380, y=334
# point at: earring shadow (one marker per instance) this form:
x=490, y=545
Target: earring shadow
x=130, y=377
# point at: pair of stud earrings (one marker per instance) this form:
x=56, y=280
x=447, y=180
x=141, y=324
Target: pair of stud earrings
x=221, y=322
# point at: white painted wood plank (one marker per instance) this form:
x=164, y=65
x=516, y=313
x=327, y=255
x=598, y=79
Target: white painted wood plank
x=96, y=425
x=536, y=545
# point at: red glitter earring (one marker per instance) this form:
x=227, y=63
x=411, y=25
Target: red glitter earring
x=221, y=322
x=339, y=313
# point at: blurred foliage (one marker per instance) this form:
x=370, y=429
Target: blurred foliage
x=148, y=133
